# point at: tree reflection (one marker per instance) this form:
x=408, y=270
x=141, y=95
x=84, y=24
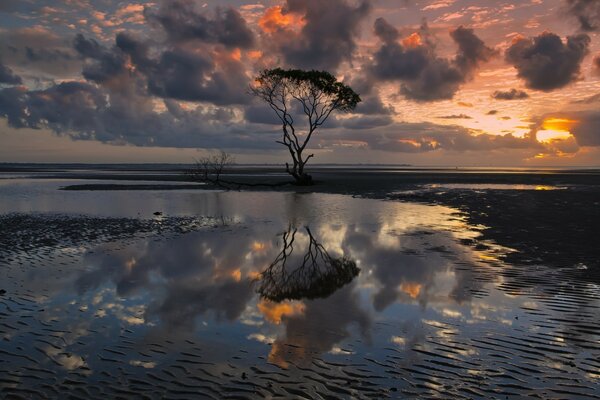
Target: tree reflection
x=314, y=275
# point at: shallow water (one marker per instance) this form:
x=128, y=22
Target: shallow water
x=493, y=186
x=205, y=300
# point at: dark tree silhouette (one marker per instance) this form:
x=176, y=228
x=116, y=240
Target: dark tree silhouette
x=318, y=274
x=210, y=168
x=317, y=93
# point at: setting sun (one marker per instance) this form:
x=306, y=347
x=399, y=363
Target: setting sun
x=555, y=129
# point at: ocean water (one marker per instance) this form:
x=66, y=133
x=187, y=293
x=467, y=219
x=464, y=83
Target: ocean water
x=194, y=293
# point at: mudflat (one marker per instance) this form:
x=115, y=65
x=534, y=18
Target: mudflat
x=373, y=283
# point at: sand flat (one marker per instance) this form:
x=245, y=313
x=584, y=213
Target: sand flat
x=106, y=295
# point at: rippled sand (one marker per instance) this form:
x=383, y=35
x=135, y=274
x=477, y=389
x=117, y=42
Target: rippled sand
x=169, y=306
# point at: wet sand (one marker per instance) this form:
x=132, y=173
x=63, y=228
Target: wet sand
x=106, y=306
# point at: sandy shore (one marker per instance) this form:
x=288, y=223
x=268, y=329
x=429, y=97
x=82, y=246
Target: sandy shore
x=120, y=306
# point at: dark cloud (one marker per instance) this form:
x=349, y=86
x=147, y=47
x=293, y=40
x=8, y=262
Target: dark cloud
x=587, y=13
x=424, y=75
x=546, y=63
x=366, y=121
x=371, y=103
x=394, y=61
x=512, y=94
x=328, y=36
x=596, y=65
x=8, y=5
x=176, y=72
x=261, y=114
x=184, y=75
x=38, y=50
x=385, y=31
x=84, y=111
x=424, y=137
x=183, y=20
x=103, y=64
x=133, y=47
x=587, y=128
x=492, y=112
x=456, y=116
x=8, y=76
x=70, y=105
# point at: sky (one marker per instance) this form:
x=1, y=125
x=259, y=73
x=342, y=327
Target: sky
x=442, y=82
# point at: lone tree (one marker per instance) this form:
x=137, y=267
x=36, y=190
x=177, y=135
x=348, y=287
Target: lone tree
x=316, y=93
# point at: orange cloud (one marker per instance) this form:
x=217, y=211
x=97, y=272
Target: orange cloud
x=255, y=54
x=258, y=246
x=411, y=289
x=274, y=312
x=274, y=20
x=559, y=124
x=412, y=41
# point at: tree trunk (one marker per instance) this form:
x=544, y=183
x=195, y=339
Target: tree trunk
x=297, y=171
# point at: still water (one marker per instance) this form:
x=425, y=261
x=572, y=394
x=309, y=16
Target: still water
x=238, y=294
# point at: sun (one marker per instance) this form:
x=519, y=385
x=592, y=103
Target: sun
x=555, y=129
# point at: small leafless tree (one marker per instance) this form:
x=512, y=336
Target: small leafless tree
x=210, y=168
x=317, y=93
x=317, y=275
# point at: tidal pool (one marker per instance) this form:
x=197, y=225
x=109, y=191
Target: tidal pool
x=264, y=294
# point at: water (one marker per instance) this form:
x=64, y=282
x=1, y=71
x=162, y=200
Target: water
x=204, y=299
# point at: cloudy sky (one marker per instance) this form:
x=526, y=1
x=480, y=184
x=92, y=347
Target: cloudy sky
x=443, y=82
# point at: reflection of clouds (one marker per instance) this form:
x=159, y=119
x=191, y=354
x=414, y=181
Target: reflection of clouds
x=274, y=312
x=403, y=259
x=406, y=269
x=323, y=324
x=184, y=278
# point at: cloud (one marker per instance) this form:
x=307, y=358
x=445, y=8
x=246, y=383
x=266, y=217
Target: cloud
x=371, y=103
x=261, y=114
x=546, y=63
x=84, y=111
x=175, y=72
x=183, y=75
x=366, y=122
x=328, y=36
x=587, y=13
x=512, y=94
x=103, y=64
x=9, y=5
x=320, y=327
x=414, y=62
x=596, y=65
x=8, y=76
x=69, y=105
x=183, y=20
x=584, y=126
x=456, y=116
x=588, y=100
x=587, y=128
x=422, y=137
x=38, y=49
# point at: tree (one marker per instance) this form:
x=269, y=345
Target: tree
x=313, y=274
x=317, y=93
x=210, y=168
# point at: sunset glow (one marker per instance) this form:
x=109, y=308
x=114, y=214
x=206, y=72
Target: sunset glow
x=274, y=19
x=441, y=82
